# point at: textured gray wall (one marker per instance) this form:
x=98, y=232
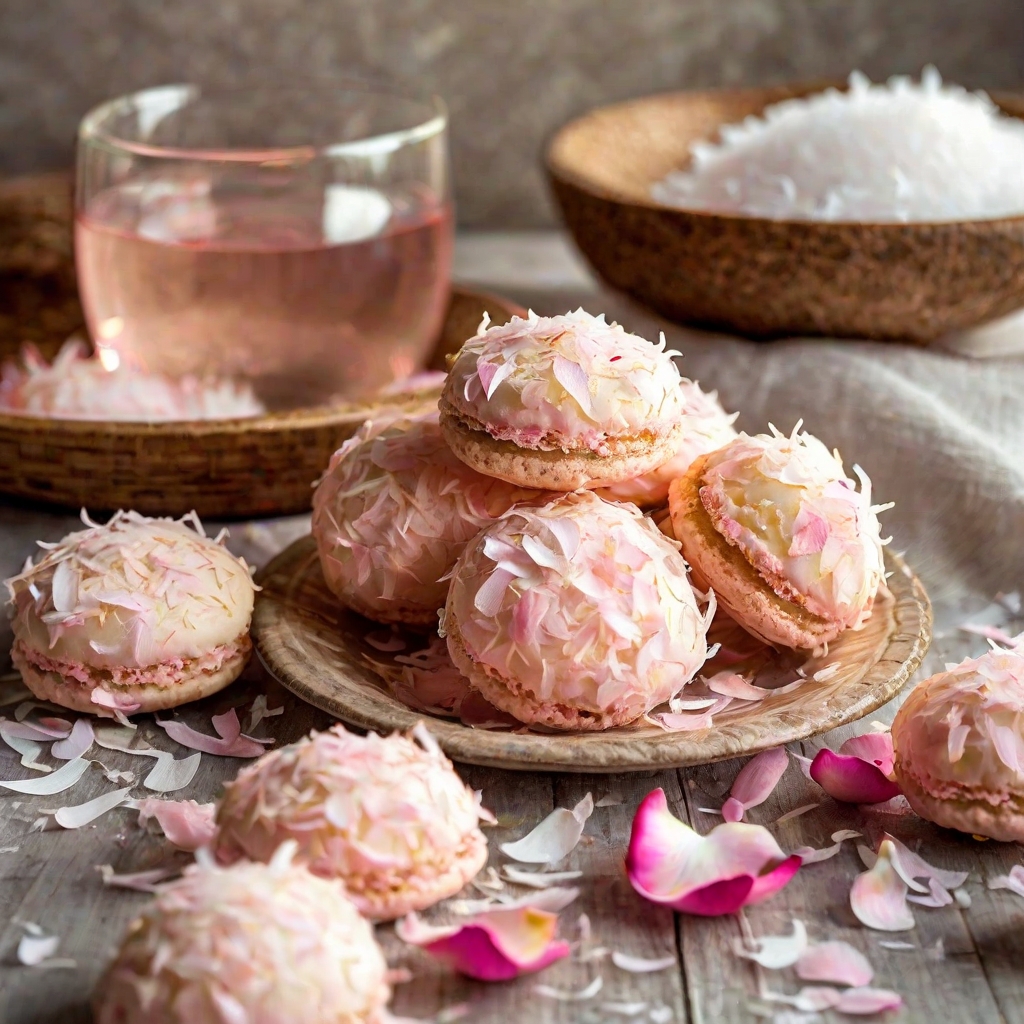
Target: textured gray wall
x=510, y=70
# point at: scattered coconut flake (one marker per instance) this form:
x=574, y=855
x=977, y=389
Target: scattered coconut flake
x=571, y=995
x=755, y=782
x=774, y=951
x=77, y=744
x=9, y=849
x=963, y=898
x=878, y=897
x=387, y=643
x=624, y=1009
x=35, y=731
x=121, y=738
x=823, y=675
x=259, y=711
x=229, y=741
x=796, y=812
x=661, y=1015
x=811, y=856
x=640, y=965
x=170, y=775
x=888, y=944
x=186, y=824
x=835, y=962
x=34, y=949
x=140, y=881
x=554, y=838
x=29, y=750
x=1014, y=881
x=452, y=1013
x=63, y=778
x=609, y=800
x=539, y=879
x=911, y=866
x=116, y=775
x=81, y=814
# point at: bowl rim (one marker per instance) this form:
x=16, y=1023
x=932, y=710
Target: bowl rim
x=785, y=90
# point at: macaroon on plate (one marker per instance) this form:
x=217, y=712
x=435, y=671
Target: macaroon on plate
x=576, y=563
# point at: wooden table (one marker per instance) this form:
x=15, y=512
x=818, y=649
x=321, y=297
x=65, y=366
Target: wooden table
x=965, y=965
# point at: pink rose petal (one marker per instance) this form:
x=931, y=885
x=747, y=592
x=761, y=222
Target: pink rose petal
x=835, y=962
x=937, y=896
x=1014, y=881
x=734, y=865
x=851, y=779
x=495, y=946
x=574, y=379
x=810, y=532
x=36, y=730
x=114, y=702
x=811, y=856
x=756, y=781
x=186, y=824
x=878, y=897
x=228, y=743
x=732, y=684
x=875, y=747
x=868, y=1000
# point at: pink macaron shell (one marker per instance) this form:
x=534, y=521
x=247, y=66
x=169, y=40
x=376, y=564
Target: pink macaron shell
x=571, y=382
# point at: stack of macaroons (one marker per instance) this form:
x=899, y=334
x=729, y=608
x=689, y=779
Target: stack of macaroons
x=386, y=816
x=267, y=943
x=138, y=614
x=517, y=511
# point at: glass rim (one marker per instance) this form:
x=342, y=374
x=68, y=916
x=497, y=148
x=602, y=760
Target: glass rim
x=92, y=132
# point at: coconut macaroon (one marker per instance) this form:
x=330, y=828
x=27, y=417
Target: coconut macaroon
x=262, y=943
x=562, y=402
x=577, y=614
x=783, y=536
x=137, y=615
x=959, y=746
x=392, y=514
x=706, y=426
x=388, y=817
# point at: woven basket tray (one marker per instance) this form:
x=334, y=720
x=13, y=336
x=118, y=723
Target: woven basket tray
x=221, y=468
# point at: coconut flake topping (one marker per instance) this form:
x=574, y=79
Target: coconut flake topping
x=255, y=942
x=571, y=382
x=788, y=505
x=583, y=601
x=387, y=816
x=394, y=511
x=133, y=593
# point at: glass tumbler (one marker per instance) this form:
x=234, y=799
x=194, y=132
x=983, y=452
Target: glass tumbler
x=295, y=239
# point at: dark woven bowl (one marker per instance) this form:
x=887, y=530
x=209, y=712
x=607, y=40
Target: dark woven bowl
x=759, y=277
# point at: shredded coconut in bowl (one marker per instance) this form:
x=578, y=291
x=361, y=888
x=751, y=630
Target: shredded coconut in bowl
x=77, y=386
x=898, y=152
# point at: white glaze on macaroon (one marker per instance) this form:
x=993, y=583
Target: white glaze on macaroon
x=569, y=382
x=265, y=944
x=394, y=511
x=707, y=426
x=960, y=734
x=134, y=599
x=387, y=816
x=581, y=604
x=788, y=505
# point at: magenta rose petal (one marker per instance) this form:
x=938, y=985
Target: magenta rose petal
x=850, y=779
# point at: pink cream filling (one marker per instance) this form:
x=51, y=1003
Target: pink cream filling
x=163, y=675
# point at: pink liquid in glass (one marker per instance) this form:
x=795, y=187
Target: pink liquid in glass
x=312, y=294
